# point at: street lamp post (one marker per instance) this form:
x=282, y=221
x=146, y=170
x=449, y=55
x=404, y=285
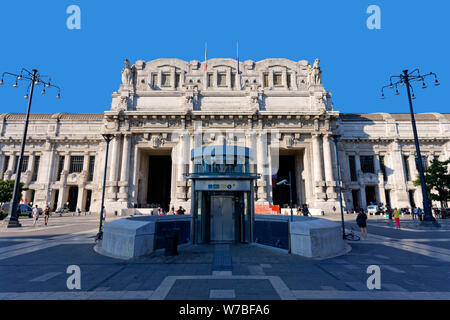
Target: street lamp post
x=335, y=140
x=12, y=220
x=290, y=192
x=108, y=137
x=406, y=79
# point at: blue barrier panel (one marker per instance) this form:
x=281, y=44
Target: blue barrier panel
x=272, y=233
x=184, y=233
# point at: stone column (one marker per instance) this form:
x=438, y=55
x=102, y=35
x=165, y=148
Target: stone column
x=414, y=175
x=328, y=163
x=113, y=168
x=381, y=195
x=63, y=181
x=9, y=170
x=261, y=167
x=2, y=161
x=400, y=197
x=318, y=172
x=125, y=169
x=362, y=196
x=80, y=197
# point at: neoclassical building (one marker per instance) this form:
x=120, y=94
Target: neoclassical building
x=184, y=130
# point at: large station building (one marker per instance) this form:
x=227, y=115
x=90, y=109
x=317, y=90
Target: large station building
x=218, y=135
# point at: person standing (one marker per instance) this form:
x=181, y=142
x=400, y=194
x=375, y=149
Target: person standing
x=46, y=214
x=419, y=213
x=397, y=218
x=35, y=213
x=361, y=221
x=414, y=213
x=181, y=210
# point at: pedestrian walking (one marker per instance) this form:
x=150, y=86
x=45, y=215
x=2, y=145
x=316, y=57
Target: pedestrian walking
x=35, y=213
x=414, y=213
x=419, y=213
x=361, y=221
x=46, y=214
x=397, y=218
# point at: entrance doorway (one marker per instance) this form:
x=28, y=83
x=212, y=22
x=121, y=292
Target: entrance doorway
x=281, y=195
x=55, y=201
x=88, y=200
x=411, y=199
x=222, y=218
x=355, y=197
x=73, y=197
x=371, y=196
x=159, y=181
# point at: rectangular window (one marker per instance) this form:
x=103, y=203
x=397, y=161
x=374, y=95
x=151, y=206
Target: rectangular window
x=210, y=80
x=91, y=168
x=233, y=80
x=177, y=80
x=155, y=80
x=222, y=79
x=25, y=163
x=288, y=80
x=165, y=79
x=266, y=80
x=6, y=163
x=367, y=165
x=60, y=167
x=277, y=79
x=383, y=168
x=36, y=168
x=76, y=164
x=352, y=163
x=407, y=169
x=16, y=163
x=424, y=163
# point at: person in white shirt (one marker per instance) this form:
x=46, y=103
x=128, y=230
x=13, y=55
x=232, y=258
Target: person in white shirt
x=414, y=213
x=35, y=215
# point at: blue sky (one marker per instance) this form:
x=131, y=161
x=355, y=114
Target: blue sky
x=356, y=61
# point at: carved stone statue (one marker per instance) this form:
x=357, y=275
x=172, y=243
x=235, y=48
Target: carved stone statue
x=314, y=74
x=127, y=73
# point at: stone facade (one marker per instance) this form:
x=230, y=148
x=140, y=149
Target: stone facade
x=168, y=107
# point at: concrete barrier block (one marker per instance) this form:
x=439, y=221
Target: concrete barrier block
x=316, y=238
x=127, y=238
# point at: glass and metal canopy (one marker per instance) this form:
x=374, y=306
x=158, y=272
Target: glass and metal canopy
x=223, y=161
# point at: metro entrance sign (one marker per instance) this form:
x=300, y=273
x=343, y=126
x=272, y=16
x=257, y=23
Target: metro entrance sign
x=222, y=185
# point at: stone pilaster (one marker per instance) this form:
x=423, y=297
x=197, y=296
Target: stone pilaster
x=328, y=164
x=261, y=146
x=319, y=183
x=125, y=169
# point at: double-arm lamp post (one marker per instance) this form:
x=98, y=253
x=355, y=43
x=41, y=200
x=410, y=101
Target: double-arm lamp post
x=35, y=79
x=108, y=137
x=406, y=79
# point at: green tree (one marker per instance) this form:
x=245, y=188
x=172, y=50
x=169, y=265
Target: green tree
x=6, y=190
x=437, y=179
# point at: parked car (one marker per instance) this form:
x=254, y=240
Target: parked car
x=372, y=210
x=61, y=210
x=25, y=209
x=404, y=211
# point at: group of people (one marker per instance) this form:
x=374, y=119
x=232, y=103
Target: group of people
x=35, y=215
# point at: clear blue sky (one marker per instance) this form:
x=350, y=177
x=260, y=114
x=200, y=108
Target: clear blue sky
x=355, y=61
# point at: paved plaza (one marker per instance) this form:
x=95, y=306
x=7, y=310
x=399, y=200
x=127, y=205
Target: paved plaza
x=414, y=265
